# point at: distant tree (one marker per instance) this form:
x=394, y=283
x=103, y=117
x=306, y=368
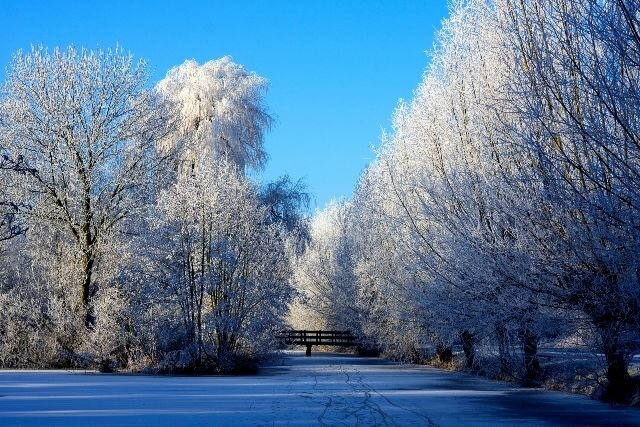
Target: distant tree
x=286, y=203
x=325, y=271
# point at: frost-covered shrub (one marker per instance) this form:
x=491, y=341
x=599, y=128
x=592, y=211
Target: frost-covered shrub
x=40, y=322
x=25, y=341
x=106, y=339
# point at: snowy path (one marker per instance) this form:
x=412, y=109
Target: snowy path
x=324, y=390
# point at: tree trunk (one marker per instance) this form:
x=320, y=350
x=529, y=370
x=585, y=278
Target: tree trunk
x=468, y=348
x=619, y=382
x=503, y=349
x=530, y=354
x=199, y=328
x=222, y=349
x=87, y=267
x=88, y=255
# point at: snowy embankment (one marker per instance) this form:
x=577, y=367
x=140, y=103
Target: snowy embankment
x=326, y=389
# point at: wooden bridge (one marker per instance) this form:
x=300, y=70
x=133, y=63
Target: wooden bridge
x=310, y=338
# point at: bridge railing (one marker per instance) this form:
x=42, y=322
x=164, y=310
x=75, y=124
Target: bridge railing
x=304, y=337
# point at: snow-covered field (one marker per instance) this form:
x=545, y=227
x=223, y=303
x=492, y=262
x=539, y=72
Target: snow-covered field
x=326, y=389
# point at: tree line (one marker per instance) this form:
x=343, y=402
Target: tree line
x=502, y=211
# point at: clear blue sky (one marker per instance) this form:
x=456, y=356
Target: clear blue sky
x=337, y=67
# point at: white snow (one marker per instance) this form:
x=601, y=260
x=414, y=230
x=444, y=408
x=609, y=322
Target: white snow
x=326, y=389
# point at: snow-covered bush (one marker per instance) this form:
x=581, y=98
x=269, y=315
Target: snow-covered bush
x=106, y=339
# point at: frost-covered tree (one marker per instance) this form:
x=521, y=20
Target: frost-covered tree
x=324, y=273
x=222, y=265
x=442, y=188
x=459, y=232
x=108, y=336
x=287, y=203
x=380, y=269
x=575, y=90
x=220, y=113
x=85, y=126
x=500, y=211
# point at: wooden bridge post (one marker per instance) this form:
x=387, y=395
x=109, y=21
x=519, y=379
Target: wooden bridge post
x=308, y=353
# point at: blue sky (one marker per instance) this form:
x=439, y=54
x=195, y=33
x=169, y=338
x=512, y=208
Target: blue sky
x=337, y=67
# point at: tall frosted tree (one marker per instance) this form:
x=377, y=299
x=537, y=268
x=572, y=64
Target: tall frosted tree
x=502, y=209
x=220, y=113
x=85, y=127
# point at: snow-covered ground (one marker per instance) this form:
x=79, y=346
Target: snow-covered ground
x=326, y=389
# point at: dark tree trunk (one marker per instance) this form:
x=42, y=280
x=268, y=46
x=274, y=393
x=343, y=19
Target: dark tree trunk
x=89, y=315
x=619, y=384
x=87, y=242
x=468, y=348
x=503, y=349
x=200, y=342
x=530, y=353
